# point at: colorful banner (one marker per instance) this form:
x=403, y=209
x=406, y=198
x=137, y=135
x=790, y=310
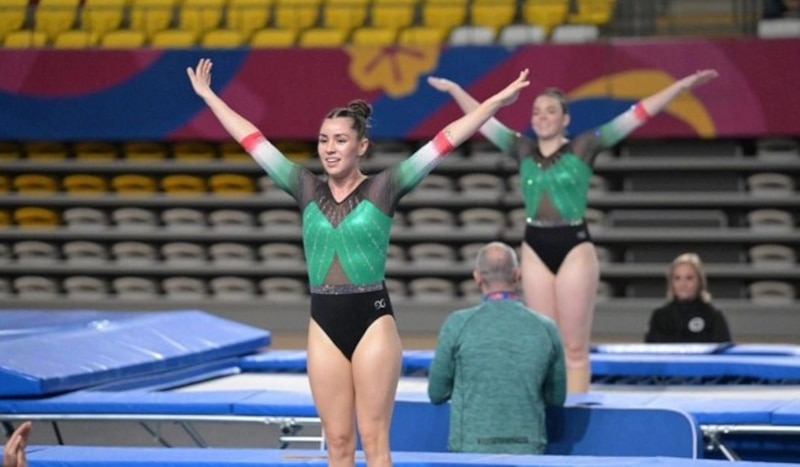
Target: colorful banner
x=71, y=95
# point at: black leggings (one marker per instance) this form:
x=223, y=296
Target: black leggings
x=345, y=318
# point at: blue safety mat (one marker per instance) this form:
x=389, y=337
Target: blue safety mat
x=83, y=456
x=90, y=349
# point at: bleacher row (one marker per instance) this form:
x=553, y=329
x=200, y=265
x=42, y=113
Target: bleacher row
x=191, y=219
x=304, y=23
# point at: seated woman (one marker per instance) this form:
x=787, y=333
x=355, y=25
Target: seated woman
x=688, y=316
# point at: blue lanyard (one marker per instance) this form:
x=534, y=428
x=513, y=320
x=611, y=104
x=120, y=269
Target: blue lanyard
x=494, y=296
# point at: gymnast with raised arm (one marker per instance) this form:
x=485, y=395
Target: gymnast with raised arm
x=354, y=350
x=560, y=270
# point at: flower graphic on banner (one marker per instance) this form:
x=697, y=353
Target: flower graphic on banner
x=395, y=70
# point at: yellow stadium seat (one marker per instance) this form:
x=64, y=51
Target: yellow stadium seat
x=84, y=184
x=75, y=39
x=193, y=151
x=495, y=14
x=200, y=15
x=232, y=151
x=36, y=217
x=151, y=16
x=393, y=13
x=322, y=37
x=222, y=39
x=102, y=16
x=25, y=39
x=597, y=12
x=5, y=218
x=443, y=15
x=133, y=184
x=297, y=151
x=345, y=14
x=10, y=151
x=173, y=39
x=182, y=184
x=274, y=38
x=46, y=151
x=231, y=184
x=55, y=16
x=123, y=39
x=422, y=36
x=12, y=15
x=136, y=151
x=374, y=37
x=248, y=16
x=5, y=184
x=547, y=14
x=90, y=151
x=35, y=184
x=297, y=14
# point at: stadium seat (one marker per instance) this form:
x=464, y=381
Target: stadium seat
x=394, y=14
x=772, y=256
x=46, y=151
x=422, y=36
x=222, y=39
x=575, y=33
x=143, y=151
x=471, y=35
x=282, y=288
x=5, y=184
x=374, y=36
x=483, y=183
x=248, y=16
x=25, y=39
x=123, y=39
x=396, y=254
x=133, y=253
x=29, y=251
x=84, y=184
x=426, y=253
x=134, y=184
x=770, y=220
x=778, y=28
x=200, y=16
x=493, y=14
x=322, y=38
x=183, y=219
x=444, y=14
x=231, y=219
x=90, y=151
x=431, y=217
x=281, y=253
x=771, y=292
x=134, y=218
x=103, y=16
x=593, y=12
x=231, y=253
x=35, y=184
x=194, y=151
x=477, y=217
x=184, y=288
x=183, y=253
x=297, y=14
x=55, y=16
x=345, y=14
x=10, y=151
x=85, y=287
x=134, y=288
x=273, y=38
x=770, y=184
x=231, y=184
x=183, y=184
x=151, y=16
x=173, y=39
x=232, y=288
x=545, y=13
x=35, y=287
x=85, y=217
x=12, y=16
x=82, y=251
x=432, y=289
x=279, y=218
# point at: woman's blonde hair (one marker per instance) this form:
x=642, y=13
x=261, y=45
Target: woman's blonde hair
x=696, y=263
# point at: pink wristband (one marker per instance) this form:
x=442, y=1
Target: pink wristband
x=640, y=112
x=442, y=144
x=250, y=141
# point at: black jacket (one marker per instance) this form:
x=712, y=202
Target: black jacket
x=681, y=322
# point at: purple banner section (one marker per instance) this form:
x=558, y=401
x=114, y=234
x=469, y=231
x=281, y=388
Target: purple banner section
x=145, y=94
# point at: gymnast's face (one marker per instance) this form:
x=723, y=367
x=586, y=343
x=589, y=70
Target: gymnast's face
x=548, y=119
x=339, y=147
x=685, y=282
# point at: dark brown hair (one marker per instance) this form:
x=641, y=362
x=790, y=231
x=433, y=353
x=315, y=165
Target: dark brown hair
x=359, y=112
x=558, y=95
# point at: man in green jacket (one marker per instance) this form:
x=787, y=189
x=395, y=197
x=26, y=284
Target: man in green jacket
x=499, y=363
